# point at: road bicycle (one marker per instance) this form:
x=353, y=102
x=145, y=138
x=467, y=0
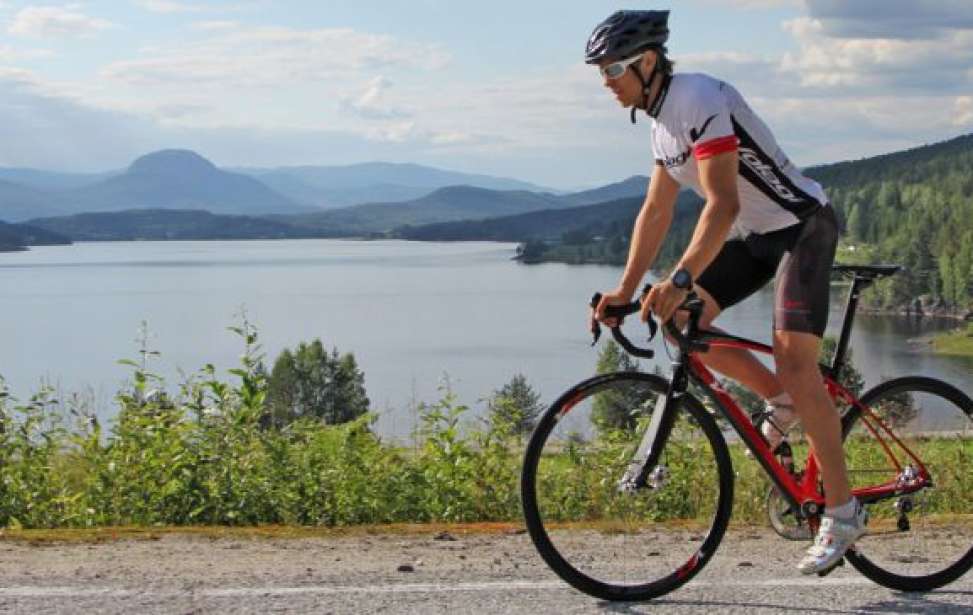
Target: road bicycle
x=627, y=484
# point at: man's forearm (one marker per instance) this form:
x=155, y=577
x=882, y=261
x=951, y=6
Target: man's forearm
x=650, y=229
x=714, y=225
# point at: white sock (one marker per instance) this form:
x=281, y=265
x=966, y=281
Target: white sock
x=845, y=511
x=781, y=400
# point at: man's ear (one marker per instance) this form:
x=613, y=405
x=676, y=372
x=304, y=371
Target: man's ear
x=648, y=61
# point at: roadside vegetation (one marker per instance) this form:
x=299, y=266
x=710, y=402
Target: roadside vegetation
x=248, y=450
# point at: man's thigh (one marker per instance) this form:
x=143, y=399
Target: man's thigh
x=734, y=275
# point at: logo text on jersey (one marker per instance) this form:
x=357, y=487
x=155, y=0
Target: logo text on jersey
x=768, y=174
x=677, y=161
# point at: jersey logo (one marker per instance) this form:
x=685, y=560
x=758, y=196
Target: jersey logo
x=677, y=161
x=767, y=173
x=696, y=135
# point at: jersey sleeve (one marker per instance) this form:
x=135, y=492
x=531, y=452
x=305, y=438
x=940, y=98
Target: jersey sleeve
x=655, y=148
x=710, y=125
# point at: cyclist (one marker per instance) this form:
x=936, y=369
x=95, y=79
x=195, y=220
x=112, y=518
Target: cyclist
x=762, y=219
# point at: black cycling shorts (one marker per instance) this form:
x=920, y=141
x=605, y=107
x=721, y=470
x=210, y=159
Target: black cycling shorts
x=800, y=257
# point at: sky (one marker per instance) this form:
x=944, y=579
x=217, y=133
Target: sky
x=495, y=87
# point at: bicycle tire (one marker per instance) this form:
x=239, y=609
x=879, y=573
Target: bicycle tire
x=540, y=532
x=935, y=394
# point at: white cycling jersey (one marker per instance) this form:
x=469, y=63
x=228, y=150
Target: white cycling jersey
x=698, y=117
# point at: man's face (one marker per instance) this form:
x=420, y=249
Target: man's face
x=628, y=87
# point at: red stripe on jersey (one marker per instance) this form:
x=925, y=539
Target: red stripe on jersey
x=715, y=146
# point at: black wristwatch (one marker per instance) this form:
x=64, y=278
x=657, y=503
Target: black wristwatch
x=682, y=279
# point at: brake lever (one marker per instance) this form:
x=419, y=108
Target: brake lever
x=596, y=328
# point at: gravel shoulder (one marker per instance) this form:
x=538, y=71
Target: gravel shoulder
x=429, y=572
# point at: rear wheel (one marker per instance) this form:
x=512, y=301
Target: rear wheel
x=923, y=540
x=614, y=545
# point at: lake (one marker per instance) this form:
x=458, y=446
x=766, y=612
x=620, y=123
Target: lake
x=412, y=313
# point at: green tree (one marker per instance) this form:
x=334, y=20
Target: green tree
x=515, y=406
x=310, y=382
x=614, y=409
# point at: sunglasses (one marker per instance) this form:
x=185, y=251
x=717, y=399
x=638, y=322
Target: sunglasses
x=617, y=69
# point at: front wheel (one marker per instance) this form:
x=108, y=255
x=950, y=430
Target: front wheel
x=612, y=544
x=923, y=540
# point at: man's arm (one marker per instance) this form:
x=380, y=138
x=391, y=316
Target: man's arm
x=650, y=230
x=719, y=178
x=718, y=175
x=651, y=227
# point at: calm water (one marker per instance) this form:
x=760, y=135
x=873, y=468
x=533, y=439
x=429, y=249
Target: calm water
x=411, y=313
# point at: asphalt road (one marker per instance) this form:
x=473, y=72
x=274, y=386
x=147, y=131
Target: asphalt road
x=391, y=573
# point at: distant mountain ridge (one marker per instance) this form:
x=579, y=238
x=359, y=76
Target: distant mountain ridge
x=182, y=179
x=442, y=205
x=331, y=187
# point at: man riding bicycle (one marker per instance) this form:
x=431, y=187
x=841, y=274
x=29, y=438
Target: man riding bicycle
x=762, y=219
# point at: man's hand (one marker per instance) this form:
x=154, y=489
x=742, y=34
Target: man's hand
x=663, y=300
x=615, y=297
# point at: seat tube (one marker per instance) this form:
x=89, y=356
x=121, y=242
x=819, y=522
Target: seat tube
x=857, y=286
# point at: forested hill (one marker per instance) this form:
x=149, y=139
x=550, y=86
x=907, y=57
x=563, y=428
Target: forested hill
x=589, y=234
x=914, y=208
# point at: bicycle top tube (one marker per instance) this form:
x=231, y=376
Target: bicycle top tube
x=698, y=340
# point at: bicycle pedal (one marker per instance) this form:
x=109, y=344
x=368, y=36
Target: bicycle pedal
x=838, y=564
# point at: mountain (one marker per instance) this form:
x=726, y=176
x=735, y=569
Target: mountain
x=47, y=181
x=634, y=186
x=602, y=219
x=168, y=224
x=373, y=182
x=181, y=179
x=15, y=237
x=442, y=205
x=19, y=202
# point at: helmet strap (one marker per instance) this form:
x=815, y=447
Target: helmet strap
x=652, y=107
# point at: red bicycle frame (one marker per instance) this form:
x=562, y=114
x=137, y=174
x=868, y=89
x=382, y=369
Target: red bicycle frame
x=803, y=493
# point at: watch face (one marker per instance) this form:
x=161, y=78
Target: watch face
x=681, y=279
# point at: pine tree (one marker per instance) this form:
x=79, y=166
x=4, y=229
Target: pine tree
x=515, y=406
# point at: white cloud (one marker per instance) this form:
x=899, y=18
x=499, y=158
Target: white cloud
x=373, y=102
x=163, y=6
x=963, y=108
x=934, y=64
x=275, y=56
x=10, y=55
x=56, y=22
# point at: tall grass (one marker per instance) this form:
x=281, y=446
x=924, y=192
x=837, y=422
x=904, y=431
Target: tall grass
x=201, y=456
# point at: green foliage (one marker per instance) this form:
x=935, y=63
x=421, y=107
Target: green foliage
x=515, y=406
x=616, y=410
x=201, y=456
x=310, y=382
x=913, y=208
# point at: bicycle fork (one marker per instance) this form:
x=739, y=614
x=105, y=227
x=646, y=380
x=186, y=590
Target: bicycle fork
x=644, y=469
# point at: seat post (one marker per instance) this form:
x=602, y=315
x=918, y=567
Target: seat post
x=858, y=284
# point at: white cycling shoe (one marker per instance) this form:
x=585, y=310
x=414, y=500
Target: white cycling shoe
x=835, y=537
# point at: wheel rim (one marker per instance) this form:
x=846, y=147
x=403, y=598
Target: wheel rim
x=925, y=537
x=604, y=541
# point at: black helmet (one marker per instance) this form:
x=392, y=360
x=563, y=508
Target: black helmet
x=627, y=33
